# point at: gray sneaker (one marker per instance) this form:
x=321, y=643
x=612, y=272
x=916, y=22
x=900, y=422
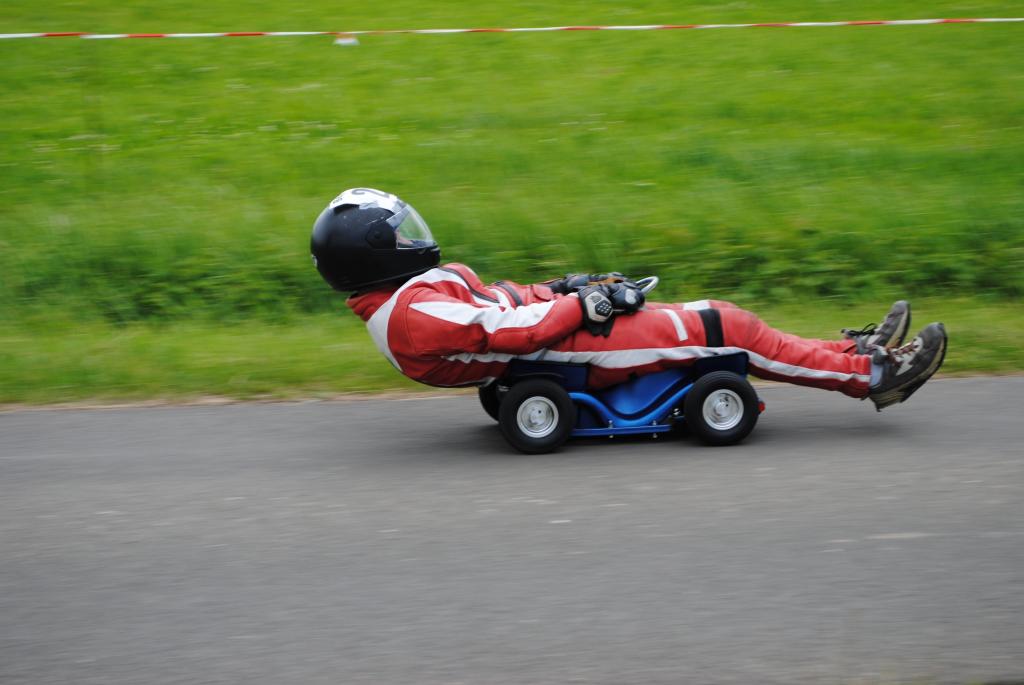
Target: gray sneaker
x=890, y=334
x=905, y=369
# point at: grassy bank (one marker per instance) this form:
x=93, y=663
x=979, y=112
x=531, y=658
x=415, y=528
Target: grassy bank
x=324, y=355
x=156, y=196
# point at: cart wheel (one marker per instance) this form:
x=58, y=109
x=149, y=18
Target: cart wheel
x=489, y=399
x=721, y=408
x=536, y=416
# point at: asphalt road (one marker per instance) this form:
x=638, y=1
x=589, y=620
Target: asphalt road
x=403, y=542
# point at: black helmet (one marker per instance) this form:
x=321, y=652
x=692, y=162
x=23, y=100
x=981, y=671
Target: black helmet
x=366, y=237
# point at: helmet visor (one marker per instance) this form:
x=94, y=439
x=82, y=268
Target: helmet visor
x=411, y=231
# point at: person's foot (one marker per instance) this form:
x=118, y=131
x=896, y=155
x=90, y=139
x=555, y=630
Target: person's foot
x=890, y=334
x=905, y=369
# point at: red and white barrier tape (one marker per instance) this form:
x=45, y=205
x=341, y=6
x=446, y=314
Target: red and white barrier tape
x=349, y=36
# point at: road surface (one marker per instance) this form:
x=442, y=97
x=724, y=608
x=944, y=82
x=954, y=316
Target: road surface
x=385, y=541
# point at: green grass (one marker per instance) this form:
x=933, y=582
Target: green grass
x=313, y=355
x=156, y=196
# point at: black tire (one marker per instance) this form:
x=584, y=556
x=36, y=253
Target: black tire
x=489, y=399
x=554, y=414
x=728, y=423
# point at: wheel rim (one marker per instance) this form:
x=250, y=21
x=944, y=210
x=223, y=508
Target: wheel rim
x=537, y=417
x=723, y=409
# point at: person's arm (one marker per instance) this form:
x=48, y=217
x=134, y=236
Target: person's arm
x=439, y=325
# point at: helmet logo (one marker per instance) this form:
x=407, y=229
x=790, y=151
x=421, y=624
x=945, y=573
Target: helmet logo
x=367, y=197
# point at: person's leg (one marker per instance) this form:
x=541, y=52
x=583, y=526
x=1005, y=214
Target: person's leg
x=697, y=305
x=844, y=345
x=663, y=336
x=889, y=334
x=887, y=376
x=780, y=356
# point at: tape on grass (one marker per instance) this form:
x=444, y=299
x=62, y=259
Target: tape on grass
x=350, y=37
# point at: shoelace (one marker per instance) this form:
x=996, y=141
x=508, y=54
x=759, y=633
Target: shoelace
x=896, y=355
x=870, y=329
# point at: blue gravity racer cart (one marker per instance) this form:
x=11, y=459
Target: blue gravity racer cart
x=539, y=405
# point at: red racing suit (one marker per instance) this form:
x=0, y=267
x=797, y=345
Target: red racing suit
x=446, y=328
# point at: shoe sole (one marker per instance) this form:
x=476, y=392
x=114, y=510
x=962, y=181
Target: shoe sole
x=902, y=392
x=912, y=388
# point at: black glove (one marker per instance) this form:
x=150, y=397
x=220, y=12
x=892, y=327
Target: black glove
x=574, y=282
x=597, y=310
x=602, y=302
x=625, y=297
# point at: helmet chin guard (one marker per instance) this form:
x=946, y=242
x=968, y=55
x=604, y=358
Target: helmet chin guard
x=367, y=237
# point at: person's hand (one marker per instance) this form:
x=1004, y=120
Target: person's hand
x=598, y=310
x=602, y=302
x=626, y=297
x=574, y=282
